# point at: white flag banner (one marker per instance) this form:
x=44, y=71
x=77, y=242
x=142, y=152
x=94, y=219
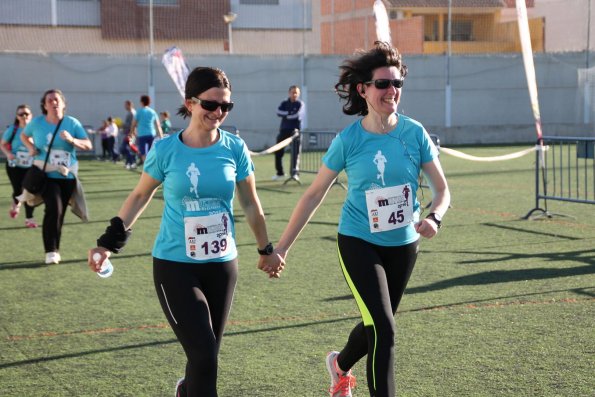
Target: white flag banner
x=525, y=37
x=174, y=63
x=382, y=22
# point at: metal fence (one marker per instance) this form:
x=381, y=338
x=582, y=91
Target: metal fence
x=564, y=171
x=314, y=146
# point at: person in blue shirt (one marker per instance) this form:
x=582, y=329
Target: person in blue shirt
x=61, y=179
x=382, y=154
x=146, y=127
x=291, y=112
x=195, y=256
x=18, y=161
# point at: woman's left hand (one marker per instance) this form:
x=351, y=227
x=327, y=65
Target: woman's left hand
x=426, y=228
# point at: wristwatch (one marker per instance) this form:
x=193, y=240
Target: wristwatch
x=268, y=250
x=437, y=218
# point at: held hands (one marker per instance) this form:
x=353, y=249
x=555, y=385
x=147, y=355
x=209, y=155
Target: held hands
x=427, y=228
x=96, y=265
x=272, y=264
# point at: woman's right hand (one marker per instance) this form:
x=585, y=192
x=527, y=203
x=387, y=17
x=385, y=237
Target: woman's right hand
x=95, y=265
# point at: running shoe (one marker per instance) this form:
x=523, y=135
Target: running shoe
x=52, y=258
x=30, y=223
x=278, y=177
x=14, y=210
x=341, y=382
x=181, y=388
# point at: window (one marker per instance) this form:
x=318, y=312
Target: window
x=460, y=30
x=265, y=2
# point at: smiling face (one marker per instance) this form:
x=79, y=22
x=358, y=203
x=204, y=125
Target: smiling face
x=383, y=101
x=209, y=120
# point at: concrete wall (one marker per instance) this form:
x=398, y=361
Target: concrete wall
x=490, y=100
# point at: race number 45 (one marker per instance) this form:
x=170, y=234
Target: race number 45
x=396, y=217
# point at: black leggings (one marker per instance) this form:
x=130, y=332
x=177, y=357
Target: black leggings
x=196, y=299
x=377, y=277
x=16, y=176
x=56, y=196
x=296, y=149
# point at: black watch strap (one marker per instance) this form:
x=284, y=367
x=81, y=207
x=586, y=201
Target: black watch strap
x=268, y=250
x=435, y=219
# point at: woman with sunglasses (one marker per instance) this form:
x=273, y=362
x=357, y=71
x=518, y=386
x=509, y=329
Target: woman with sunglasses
x=195, y=255
x=62, y=165
x=18, y=161
x=382, y=154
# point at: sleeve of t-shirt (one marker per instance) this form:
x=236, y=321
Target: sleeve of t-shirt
x=28, y=131
x=152, y=165
x=428, y=150
x=334, y=157
x=6, y=134
x=78, y=130
x=244, y=166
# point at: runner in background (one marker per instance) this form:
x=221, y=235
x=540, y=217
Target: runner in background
x=18, y=162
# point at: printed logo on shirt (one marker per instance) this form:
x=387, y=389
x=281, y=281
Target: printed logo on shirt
x=380, y=162
x=193, y=173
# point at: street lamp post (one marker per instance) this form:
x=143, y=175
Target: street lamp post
x=229, y=18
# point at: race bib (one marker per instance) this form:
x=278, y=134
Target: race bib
x=389, y=208
x=208, y=237
x=60, y=157
x=23, y=159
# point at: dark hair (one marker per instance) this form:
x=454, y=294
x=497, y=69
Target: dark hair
x=48, y=92
x=145, y=100
x=361, y=68
x=200, y=80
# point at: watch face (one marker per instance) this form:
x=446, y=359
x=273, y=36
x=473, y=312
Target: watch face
x=437, y=217
x=268, y=250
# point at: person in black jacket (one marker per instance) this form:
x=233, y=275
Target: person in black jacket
x=291, y=112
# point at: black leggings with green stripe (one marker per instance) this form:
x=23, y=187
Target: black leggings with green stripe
x=377, y=276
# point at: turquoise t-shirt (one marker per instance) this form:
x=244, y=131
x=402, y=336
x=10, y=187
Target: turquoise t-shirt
x=20, y=151
x=62, y=152
x=381, y=161
x=197, y=225
x=145, y=122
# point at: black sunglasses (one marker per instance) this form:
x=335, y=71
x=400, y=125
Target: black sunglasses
x=211, y=106
x=382, y=84
x=24, y=114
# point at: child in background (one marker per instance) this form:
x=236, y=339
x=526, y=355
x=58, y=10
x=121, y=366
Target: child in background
x=165, y=123
x=129, y=151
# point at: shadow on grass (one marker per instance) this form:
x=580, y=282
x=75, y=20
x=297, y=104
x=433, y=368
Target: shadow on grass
x=523, y=230
x=586, y=291
x=165, y=342
x=507, y=276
